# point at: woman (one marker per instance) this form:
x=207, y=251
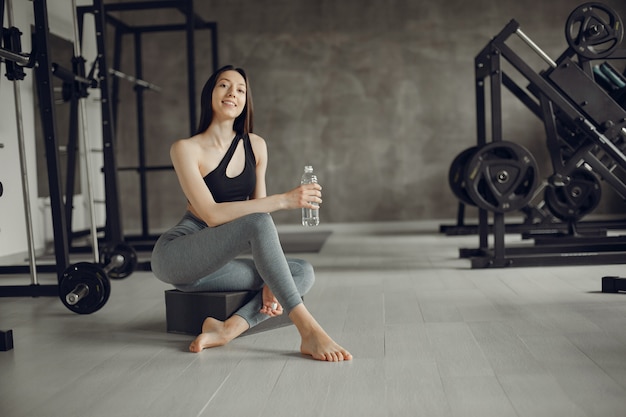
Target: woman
x=222, y=173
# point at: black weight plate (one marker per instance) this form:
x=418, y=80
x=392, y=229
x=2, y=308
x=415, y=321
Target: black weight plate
x=575, y=200
x=108, y=252
x=501, y=177
x=594, y=30
x=456, y=175
x=93, y=277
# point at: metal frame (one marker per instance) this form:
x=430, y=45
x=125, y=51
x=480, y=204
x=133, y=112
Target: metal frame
x=113, y=229
x=40, y=60
x=551, y=89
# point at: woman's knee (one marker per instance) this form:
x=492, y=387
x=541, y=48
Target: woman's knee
x=262, y=222
x=260, y=227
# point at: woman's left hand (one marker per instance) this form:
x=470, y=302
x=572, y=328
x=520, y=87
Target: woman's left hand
x=271, y=306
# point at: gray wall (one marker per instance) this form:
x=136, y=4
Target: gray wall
x=377, y=96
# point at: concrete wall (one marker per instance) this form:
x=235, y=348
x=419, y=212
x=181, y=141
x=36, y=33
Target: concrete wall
x=377, y=96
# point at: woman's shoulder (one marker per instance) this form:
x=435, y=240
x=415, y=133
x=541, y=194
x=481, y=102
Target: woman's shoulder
x=186, y=143
x=254, y=138
x=185, y=147
x=257, y=142
x=259, y=147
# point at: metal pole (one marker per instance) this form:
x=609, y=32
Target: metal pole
x=535, y=48
x=113, y=227
x=84, y=147
x=191, y=65
x=24, y=171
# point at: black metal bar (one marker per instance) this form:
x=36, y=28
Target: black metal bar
x=34, y=290
x=24, y=269
x=172, y=27
x=481, y=66
x=47, y=112
x=141, y=5
x=496, y=136
x=1, y=19
x=141, y=137
x=530, y=231
x=117, y=64
x=72, y=146
x=521, y=95
x=191, y=65
x=552, y=259
x=114, y=231
x=552, y=137
x=118, y=24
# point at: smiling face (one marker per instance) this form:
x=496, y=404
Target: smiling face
x=226, y=95
x=229, y=95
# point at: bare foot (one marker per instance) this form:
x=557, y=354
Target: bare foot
x=213, y=334
x=218, y=333
x=321, y=347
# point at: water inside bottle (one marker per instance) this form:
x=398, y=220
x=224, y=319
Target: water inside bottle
x=310, y=217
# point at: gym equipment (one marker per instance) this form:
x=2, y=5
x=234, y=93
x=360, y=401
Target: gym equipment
x=120, y=260
x=82, y=287
x=613, y=284
x=456, y=175
x=501, y=177
x=136, y=81
x=585, y=135
x=594, y=30
x=16, y=74
x=85, y=145
x=111, y=15
x=576, y=198
x=6, y=340
x=85, y=288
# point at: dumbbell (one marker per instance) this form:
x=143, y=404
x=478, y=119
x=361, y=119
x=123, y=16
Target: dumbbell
x=85, y=287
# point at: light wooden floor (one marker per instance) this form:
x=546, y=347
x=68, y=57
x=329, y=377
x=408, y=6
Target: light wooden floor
x=431, y=337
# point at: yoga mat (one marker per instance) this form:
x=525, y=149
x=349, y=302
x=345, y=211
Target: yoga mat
x=309, y=241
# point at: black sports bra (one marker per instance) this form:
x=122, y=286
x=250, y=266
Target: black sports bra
x=238, y=188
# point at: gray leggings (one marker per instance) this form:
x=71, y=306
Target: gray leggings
x=194, y=257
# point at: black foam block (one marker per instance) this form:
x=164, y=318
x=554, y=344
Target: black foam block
x=185, y=311
x=6, y=340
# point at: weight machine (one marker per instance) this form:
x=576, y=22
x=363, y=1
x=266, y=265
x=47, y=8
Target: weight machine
x=585, y=128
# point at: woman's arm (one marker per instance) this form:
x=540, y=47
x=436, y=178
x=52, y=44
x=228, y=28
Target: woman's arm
x=184, y=154
x=260, y=154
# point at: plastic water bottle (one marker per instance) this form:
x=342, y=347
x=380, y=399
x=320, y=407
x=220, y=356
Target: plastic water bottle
x=310, y=216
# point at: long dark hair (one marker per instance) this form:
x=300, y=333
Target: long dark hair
x=243, y=123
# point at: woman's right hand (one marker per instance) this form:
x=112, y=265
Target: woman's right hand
x=304, y=196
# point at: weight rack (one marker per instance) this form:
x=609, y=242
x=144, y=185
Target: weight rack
x=39, y=59
x=145, y=240
x=577, y=113
x=83, y=287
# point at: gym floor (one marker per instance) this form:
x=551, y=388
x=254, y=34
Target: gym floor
x=430, y=337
